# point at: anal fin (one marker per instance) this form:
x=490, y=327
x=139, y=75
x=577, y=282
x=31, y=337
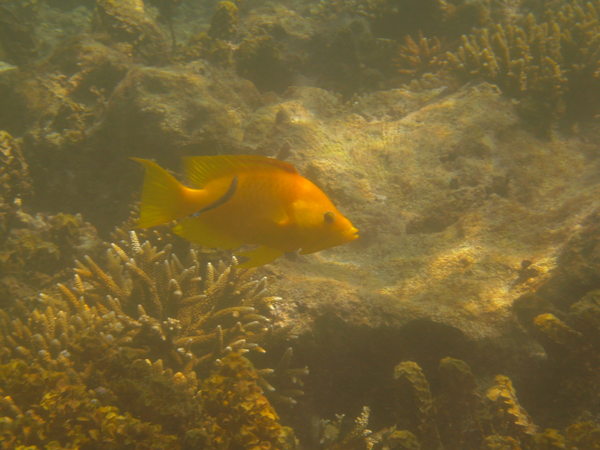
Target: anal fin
x=259, y=256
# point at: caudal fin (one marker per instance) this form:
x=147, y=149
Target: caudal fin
x=163, y=197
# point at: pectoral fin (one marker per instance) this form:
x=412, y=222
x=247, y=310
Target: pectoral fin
x=259, y=256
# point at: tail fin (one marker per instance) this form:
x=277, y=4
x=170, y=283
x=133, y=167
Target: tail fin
x=163, y=197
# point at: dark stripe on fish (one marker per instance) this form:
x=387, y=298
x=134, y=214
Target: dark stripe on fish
x=230, y=191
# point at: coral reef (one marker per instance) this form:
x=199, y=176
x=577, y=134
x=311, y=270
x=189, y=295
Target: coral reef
x=223, y=24
x=410, y=377
x=563, y=314
x=100, y=356
x=18, y=42
x=419, y=56
x=469, y=220
x=457, y=415
x=551, y=64
x=133, y=31
x=14, y=175
x=35, y=249
x=237, y=414
x=260, y=60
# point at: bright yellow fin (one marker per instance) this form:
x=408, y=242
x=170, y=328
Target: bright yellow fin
x=195, y=230
x=163, y=197
x=199, y=170
x=259, y=256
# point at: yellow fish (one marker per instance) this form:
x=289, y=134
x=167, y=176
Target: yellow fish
x=243, y=199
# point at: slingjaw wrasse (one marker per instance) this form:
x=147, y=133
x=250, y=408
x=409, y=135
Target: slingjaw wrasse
x=236, y=200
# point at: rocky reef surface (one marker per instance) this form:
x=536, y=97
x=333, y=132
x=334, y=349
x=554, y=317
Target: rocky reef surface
x=461, y=138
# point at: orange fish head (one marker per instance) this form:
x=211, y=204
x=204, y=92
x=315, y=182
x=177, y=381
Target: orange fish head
x=331, y=230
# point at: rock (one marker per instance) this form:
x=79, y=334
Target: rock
x=195, y=109
x=461, y=211
x=132, y=29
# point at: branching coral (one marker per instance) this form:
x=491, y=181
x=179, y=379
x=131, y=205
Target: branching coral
x=419, y=56
x=136, y=337
x=544, y=63
x=207, y=309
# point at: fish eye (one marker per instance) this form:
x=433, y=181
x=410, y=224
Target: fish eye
x=329, y=217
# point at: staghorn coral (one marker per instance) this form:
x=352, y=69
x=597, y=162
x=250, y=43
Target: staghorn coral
x=552, y=65
x=419, y=56
x=137, y=341
x=190, y=307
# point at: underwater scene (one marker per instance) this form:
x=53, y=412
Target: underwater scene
x=300, y=224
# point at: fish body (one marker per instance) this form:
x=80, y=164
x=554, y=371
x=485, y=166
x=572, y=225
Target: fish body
x=236, y=200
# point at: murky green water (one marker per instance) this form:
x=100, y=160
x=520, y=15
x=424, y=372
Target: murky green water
x=460, y=138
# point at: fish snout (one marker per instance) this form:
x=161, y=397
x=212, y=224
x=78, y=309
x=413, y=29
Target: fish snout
x=352, y=234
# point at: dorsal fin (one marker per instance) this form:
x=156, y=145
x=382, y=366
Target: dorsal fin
x=199, y=170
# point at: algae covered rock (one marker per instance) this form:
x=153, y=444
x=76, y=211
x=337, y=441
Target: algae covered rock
x=461, y=211
x=18, y=41
x=34, y=248
x=132, y=29
x=154, y=109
